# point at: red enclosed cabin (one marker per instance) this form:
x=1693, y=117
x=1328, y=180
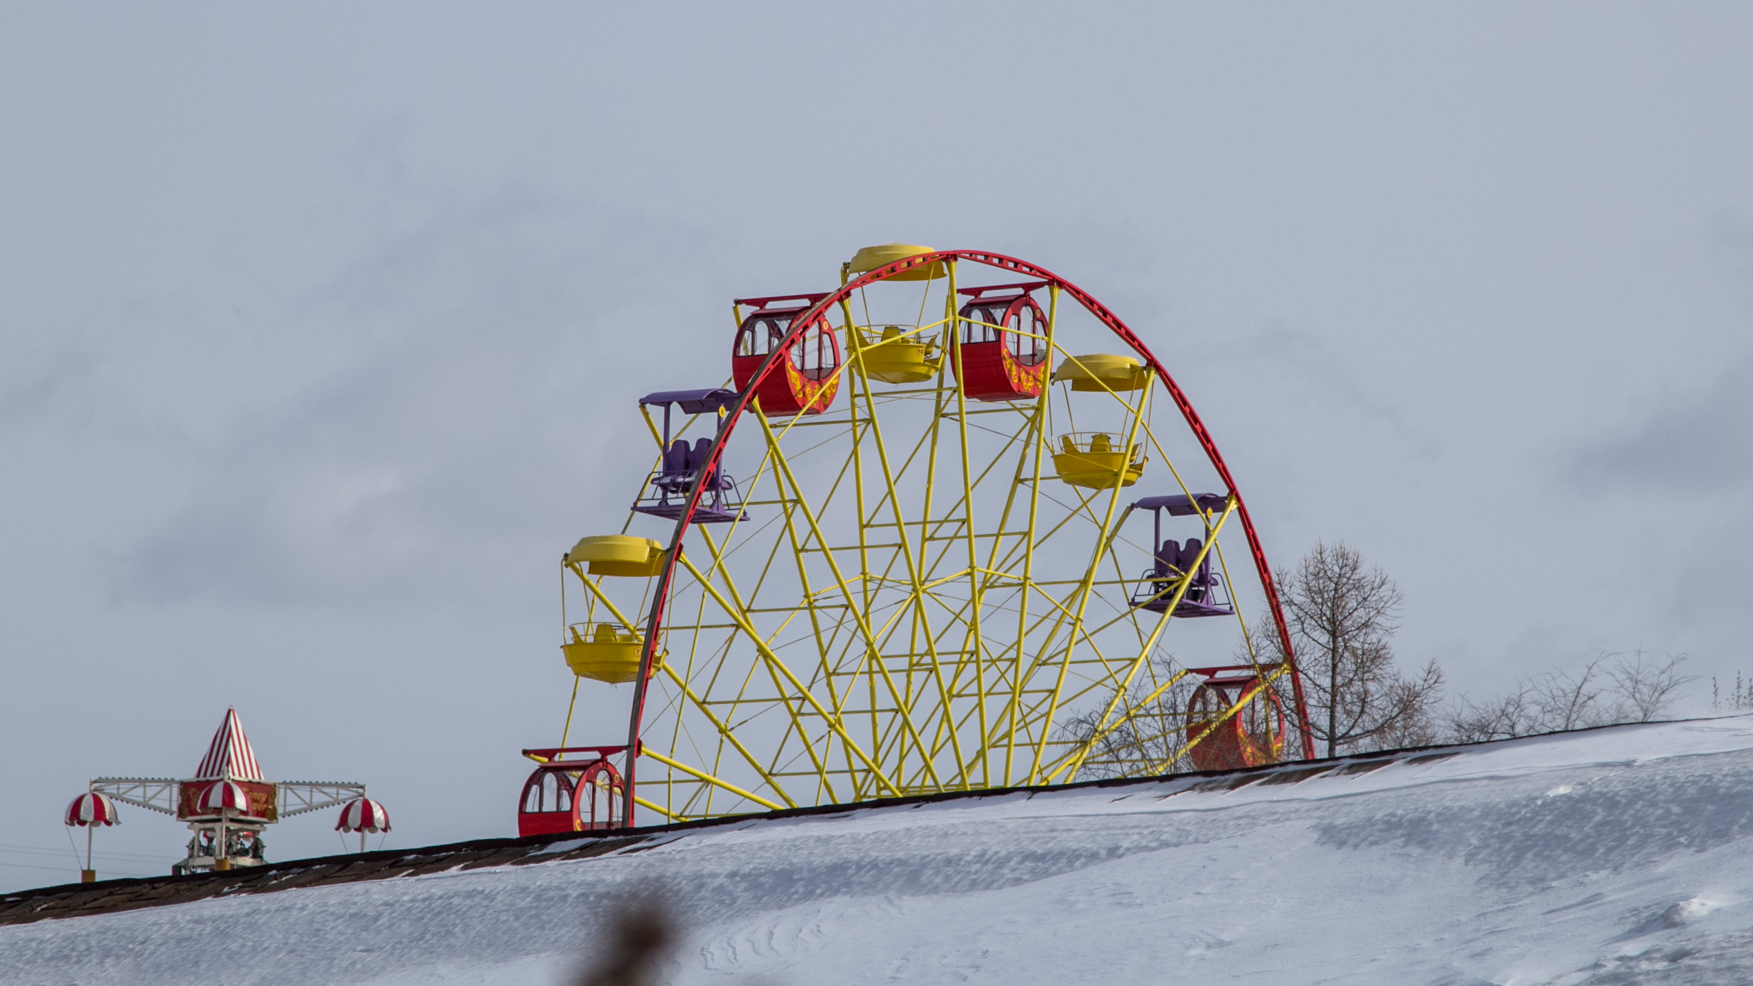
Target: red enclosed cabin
x=806, y=378
x=572, y=795
x=1252, y=737
x=1002, y=343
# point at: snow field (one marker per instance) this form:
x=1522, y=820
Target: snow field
x=1612, y=856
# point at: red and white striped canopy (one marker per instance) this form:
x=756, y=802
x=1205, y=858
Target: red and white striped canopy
x=363, y=815
x=92, y=808
x=229, y=755
x=221, y=795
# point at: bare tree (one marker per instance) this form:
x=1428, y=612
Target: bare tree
x=1342, y=617
x=1609, y=689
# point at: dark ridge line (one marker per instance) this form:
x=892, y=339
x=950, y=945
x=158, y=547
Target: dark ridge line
x=134, y=893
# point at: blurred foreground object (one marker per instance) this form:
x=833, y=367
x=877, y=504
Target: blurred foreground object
x=636, y=944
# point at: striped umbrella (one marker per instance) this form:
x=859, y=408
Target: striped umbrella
x=92, y=808
x=221, y=795
x=363, y=815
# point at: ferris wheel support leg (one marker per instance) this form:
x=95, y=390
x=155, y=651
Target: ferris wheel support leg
x=1039, y=425
x=810, y=603
x=909, y=727
x=783, y=469
x=739, y=603
x=976, y=584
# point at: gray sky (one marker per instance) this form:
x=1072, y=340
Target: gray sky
x=320, y=328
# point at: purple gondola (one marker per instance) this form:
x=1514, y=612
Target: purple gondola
x=666, y=492
x=1175, y=561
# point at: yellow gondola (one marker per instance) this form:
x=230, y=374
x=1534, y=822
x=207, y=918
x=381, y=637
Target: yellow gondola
x=896, y=358
x=606, y=652
x=1096, y=462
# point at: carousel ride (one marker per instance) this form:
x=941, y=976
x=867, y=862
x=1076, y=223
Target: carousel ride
x=969, y=534
x=227, y=805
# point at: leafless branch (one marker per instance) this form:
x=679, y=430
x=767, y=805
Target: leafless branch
x=1611, y=688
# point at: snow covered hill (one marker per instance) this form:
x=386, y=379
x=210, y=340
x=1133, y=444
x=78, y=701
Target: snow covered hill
x=1622, y=855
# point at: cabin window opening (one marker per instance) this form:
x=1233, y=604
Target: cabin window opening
x=815, y=354
x=982, y=327
x=762, y=337
x=1029, y=349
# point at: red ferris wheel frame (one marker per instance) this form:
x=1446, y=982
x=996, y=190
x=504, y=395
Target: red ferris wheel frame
x=654, y=619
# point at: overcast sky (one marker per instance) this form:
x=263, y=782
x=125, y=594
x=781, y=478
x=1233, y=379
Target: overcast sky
x=320, y=329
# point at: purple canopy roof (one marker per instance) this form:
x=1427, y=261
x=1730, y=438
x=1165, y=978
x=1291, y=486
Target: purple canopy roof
x=1181, y=505
x=693, y=401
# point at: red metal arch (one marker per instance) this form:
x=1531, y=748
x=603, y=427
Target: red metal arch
x=654, y=619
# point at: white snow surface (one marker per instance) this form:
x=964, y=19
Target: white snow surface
x=1622, y=855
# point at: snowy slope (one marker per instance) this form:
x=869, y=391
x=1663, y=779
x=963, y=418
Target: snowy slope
x=1615, y=856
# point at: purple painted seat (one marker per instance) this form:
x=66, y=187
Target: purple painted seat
x=673, y=471
x=702, y=454
x=1201, y=572
x=1168, y=559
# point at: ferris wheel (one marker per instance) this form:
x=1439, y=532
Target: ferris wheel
x=949, y=526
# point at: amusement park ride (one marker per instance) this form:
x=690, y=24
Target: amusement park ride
x=930, y=570
x=226, y=804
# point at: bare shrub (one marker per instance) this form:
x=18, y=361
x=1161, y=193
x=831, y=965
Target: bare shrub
x=1644, y=690
x=1738, y=699
x=1611, y=688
